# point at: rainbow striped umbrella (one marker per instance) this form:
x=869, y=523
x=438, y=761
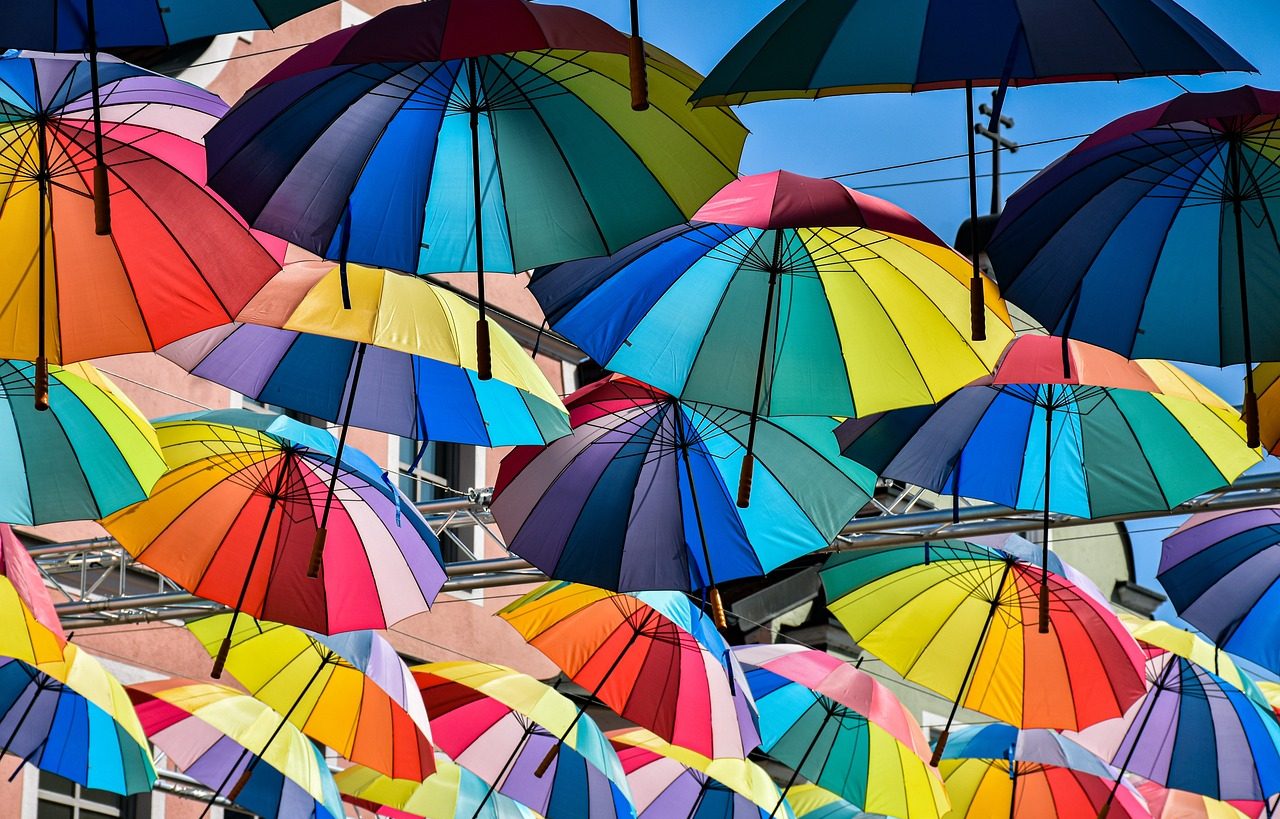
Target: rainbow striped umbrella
x=653, y=657
x=237, y=746
x=91, y=454
x=667, y=780
x=235, y=521
x=70, y=717
x=32, y=631
x=841, y=729
x=506, y=727
x=452, y=792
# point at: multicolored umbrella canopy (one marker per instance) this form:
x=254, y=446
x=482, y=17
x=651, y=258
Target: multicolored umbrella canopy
x=841, y=729
x=178, y=262
x=809, y=49
x=502, y=725
x=1194, y=730
x=1164, y=211
x=452, y=792
x=92, y=454
x=24, y=598
x=653, y=657
x=1266, y=377
x=348, y=691
x=1220, y=570
x=1169, y=804
x=997, y=770
x=667, y=780
x=430, y=114
x=396, y=363
x=235, y=519
x=809, y=801
x=214, y=734
x=639, y=497
x=70, y=717
x=961, y=619
x=1157, y=634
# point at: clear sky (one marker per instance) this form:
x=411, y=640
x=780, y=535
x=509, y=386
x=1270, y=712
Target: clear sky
x=860, y=132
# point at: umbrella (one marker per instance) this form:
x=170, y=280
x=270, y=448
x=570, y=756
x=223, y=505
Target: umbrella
x=178, y=263
x=24, y=598
x=653, y=657
x=70, y=717
x=818, y=48
x=348, y=691
x=1193, y=730
x=997, y=770
x=74, y=25
x=419, y=379
x=1220, y=570
x=858, y=307
x=842, y=730
x=1169, y=804
x=501, y=725
x=92, y=455
x=1112, y=437
x=213, y=733
x=1164, y=210
x=638, y=496
x=234, y=521
x=667, y=780
x=1266, y=377
x=381, y=143
x=957, y=617
x=812, y=802
x=452, y=792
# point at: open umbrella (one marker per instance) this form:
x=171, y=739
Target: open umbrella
x=667, y=780
x=1170, y=804
x=452, y=792
x=485, y=135
x=235, y=518
x=809, y=801
x=237, y=746
x=92, y=455
x=179, y=261
x=1112, y=436
x=24, y=598
x=88, y=25
x=817, y=48
x=653, y=657
x=419, y=378
x=997, y=770
x=70, y=717
x=348, y=691
x=1266, y=381
x=1220, y=570
x=639, y=497
x=1164, y=211
x=958, y=618
x=857, y=306
x=502, y=725
x=841, y=729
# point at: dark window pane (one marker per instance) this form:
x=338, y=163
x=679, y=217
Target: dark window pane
x=56, y=784
x=114, y=800
x=48, y=810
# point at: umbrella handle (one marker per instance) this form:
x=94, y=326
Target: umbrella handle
x=42, y=383
x=240, y=783
x=1252, y=429
x=484, y=357
x=717, y=611
x=940, y=747
x=101, y=200
x=977, y=309
x=639, y=80
x=744, y=481
x=552, y=753
x=317, y=552
x=1043, y=627
x=221, y=659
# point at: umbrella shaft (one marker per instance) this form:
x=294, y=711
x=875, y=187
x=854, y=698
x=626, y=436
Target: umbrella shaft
x=977, y=305
x=317, y=548
x=795, y=772
x=697, y=511
x=1044, y=547
x=744, y=480
x=484, y=361
x=1237, y=207
x=493, y=786
x=1142, y=726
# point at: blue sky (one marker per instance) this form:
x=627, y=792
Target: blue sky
x=856, y=133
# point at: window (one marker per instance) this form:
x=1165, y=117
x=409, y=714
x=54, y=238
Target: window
x=442, y=466
x=589, y=372
x=59, y=798
x=232, y=813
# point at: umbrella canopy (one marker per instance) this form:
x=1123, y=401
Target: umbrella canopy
x=639, y=497
x=1266, y=377
x=70, y=717
x=841, y=729
x=1166, y=206
x=1168, y=804
x=452, y=792
x=430, y=114
x=809, y=801
x=667, y=780
x=1220, y=571
x=807, y=48
x=865, y=312
x=179, y=260
x=214, y=733
x=235, y=518
x=959, y=618
x=92, y=455
x=652, y=657
x=501, y=725
x=397, y=364
x=348, y=691
x=24, y=598
x=997, y=770
x=1193, y=730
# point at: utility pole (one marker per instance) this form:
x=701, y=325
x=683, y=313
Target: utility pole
x=991, y=131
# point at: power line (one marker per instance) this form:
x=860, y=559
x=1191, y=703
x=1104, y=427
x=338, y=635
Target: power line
x=949, y=158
